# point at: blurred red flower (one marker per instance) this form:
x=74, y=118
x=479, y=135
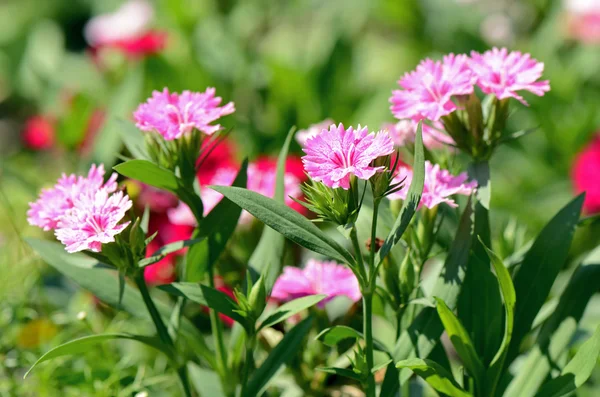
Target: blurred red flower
x=39, y=133
x=586, y=175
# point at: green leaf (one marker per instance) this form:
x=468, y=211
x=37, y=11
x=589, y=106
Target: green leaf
x=82, y=345
x=149, y=173
x=218, y=227
x=206, y=382
x=287, y=222
x=207, y=296
x=576, y=372
x=103, y=283
x=107, y=143
x=391, y=382
x=345, y=372
x=166, y=250
x=285, y=351
x=334, y=335
x=133, y=138
x=267, y=257
x=413, y=198
x=290, y=308
x=558, y=330
x=540, y=267
x=507, y=290
x=461, y=341
x=435, y=375
x=424, y=332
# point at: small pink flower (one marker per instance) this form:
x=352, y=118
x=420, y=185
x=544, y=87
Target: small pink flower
x=317, y=277
x=54, y=202
x=39, y=133
x=174, y=115
x=93, y=221
x=303, y=135
x=439, y=185
x=129, y=22
x=404, y=132
x=503, y=74
x=586, y=175
x=428, y=91
x=333, y=155
x=583, y=20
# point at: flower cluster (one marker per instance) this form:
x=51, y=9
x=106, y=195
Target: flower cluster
x=440, y=185
x=317, y=277
x=431, y=91
x=127, y=29
x=174, y=115
x=336, y=154
x=84, y=212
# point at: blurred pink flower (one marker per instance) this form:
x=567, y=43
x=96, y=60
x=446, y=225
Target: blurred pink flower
x=583, y=20
x=261, y=179
x=173, y=115
x=303, y=135
x=503, y=74
x=586, y=175
x=404, y=131
x=39, y=133
x=127, y=29
x=93, y=220
x=427, y=91
x=439, y=185
x=317, y=277
x=335, y=154
x=54, y=202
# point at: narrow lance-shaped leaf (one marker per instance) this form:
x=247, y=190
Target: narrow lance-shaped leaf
x=424, y=332
x=284, y=352
x=345, y=372
x=93, y=276
x=542, y=263
x=461, y=341
x=287, y=222
x=268, y=256
x=413, y=198
x=507, y=290
x=166, y=250
x=82, y=345
x=334, y=335
x=149, y=173
x=576, y=372
x=290, y=308
x=435, y=375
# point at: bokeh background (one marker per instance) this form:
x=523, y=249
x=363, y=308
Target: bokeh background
x=283, y=63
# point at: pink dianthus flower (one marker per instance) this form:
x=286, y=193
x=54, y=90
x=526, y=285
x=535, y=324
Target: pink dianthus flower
x=439, y=185
x=303, y=135
x=173, y=115
x=54, y=202
x=93, y=221
x=586, y=175
x=428, y=91
x=503, y=74
x=333, y=155
x=404, y=132
x=317, y=277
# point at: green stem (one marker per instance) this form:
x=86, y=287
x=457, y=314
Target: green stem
x=373, y=240
x=363, y=280
x=248, y=363
x=162, y=330
x=217, y=331
x=368, y=332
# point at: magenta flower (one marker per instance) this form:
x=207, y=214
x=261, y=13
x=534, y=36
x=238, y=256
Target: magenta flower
x=503, y=74
x=56, y=201
x=333, y=155
x=428, y=91
x=303, y=135
x=93, y=221
x=404, y=131
x=173, y=115
x=317, y=277
x=439, y=185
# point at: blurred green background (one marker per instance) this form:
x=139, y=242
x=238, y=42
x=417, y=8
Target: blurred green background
x=283, y=63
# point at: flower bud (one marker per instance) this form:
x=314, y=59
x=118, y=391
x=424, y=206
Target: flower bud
x=258, y=297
